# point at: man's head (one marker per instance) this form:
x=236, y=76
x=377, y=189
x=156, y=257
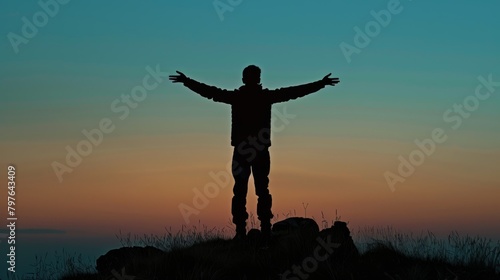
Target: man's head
x=251, y=75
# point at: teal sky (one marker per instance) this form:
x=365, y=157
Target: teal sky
x=394, y=91
x=91, y=52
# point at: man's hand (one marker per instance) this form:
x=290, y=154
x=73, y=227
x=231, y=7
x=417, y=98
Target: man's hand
x=181, y=78
x=330, y=81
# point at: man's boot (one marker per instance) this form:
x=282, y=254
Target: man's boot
x=241, y=232
x=265, y=229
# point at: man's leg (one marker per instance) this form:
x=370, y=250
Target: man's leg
x=241, y=173
x=260, y=168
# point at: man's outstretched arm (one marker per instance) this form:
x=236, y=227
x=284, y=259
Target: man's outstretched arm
x=210, y=92
x=288, y=93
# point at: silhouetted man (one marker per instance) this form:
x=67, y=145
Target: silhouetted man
x=251, y=136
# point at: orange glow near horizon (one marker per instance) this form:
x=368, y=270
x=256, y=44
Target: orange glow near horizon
x=141, y=190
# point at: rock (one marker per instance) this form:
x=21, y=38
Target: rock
x=125, y=257
x=296, y=225
x=340, y=234
x=294, y=237
x=254, y=235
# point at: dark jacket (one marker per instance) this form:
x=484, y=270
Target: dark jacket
x=251, y=107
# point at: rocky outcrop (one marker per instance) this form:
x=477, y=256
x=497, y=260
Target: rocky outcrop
x=294, y=241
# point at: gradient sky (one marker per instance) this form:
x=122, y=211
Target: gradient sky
x=332, y=155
